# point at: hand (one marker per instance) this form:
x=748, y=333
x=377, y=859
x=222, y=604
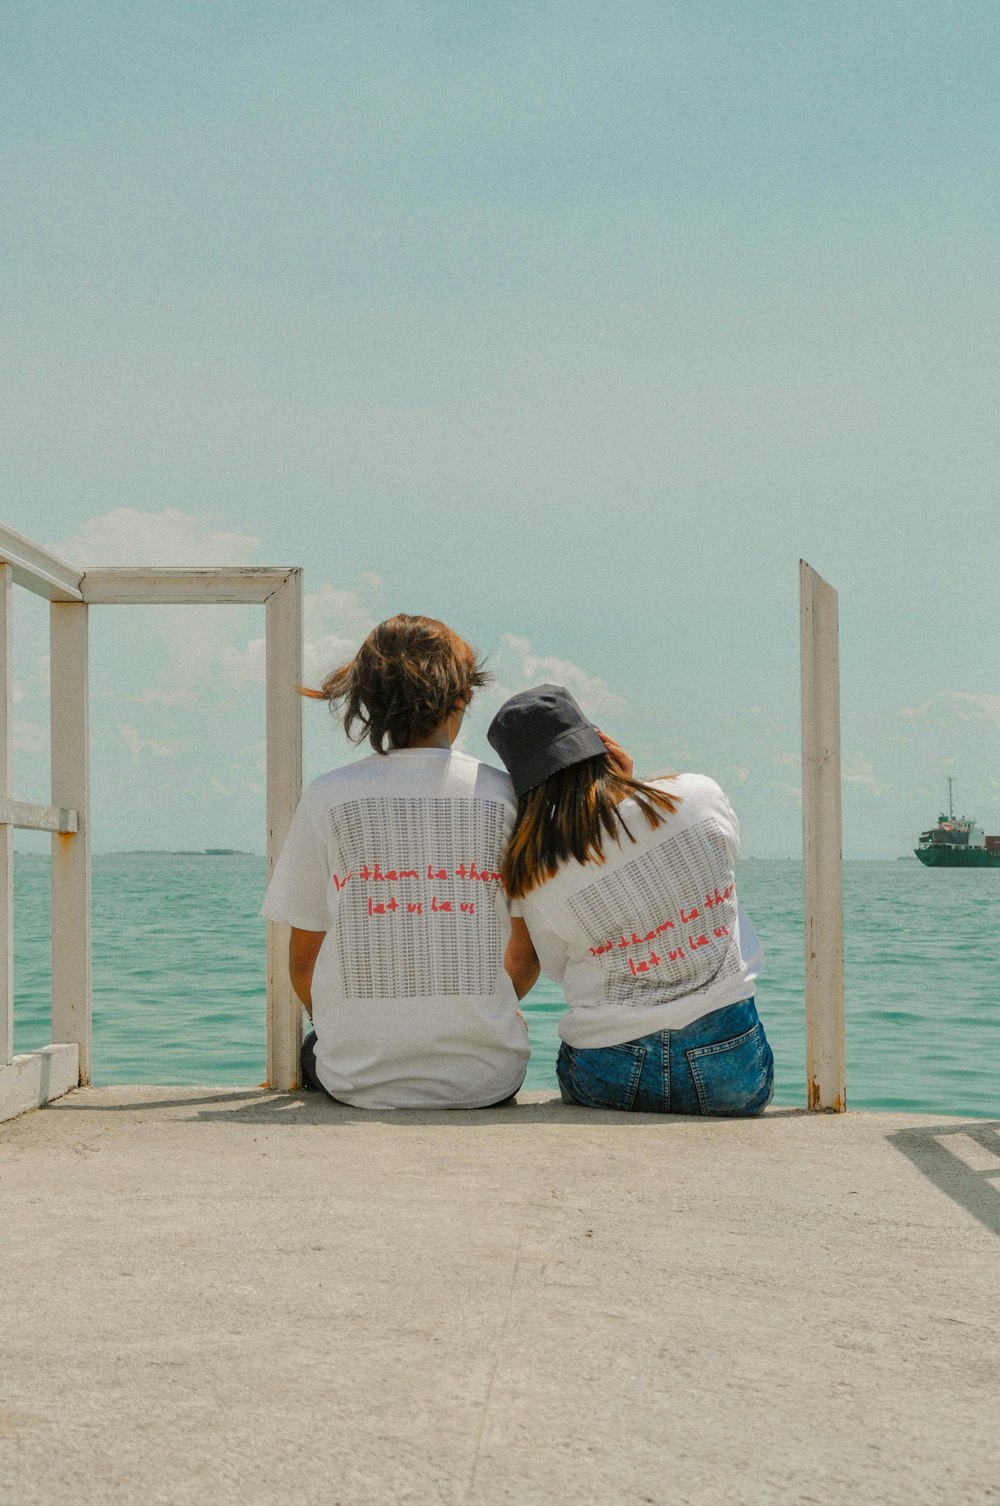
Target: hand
x=620, y=761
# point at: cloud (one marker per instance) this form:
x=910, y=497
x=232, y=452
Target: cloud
x=158, y=697
x=126, y=536
x=29, y=737
x=186, y=644
x=193, y=653
x=955, y=706
x=861, y=772
x=518, y=667
x=986, y=706
x=249, y=769
x=250, y=759
x=137, y=744
x=790, y=793
x=334, y=623
x=242, y=667
x=917, y=713
x=32, y=687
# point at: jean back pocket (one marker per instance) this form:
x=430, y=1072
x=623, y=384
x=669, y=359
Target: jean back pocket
x=605, y=1078
x=734, y=1076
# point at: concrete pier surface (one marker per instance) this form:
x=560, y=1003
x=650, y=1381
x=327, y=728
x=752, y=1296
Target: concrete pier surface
x=234, y=1296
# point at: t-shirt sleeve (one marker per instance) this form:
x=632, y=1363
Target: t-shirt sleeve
x=716, y=804
x=732, y=827
x=750, y=948
x=298, y=888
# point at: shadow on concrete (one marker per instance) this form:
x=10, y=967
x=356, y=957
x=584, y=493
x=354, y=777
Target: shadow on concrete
x=969, y=1173
x=312, y=1108
x=261, y=1106
x=77, y=1102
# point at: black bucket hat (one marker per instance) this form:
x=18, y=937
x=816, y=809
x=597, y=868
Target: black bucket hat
x=540, y=731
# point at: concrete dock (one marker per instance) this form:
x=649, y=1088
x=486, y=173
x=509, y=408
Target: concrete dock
x=229, y=1296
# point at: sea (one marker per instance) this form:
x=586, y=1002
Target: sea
x=178, y=957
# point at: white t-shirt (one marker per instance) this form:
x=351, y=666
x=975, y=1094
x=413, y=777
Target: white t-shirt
x=651, y=938
x=397, y=858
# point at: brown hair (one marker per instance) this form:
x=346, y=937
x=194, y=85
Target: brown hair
x=568, y=816
x=406, y=679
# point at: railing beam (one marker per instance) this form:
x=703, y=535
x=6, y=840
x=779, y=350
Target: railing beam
x=71, y=925
x=283, y=628
x=826, y=1071
x=181, y=585
x=27, y=817
x=37, y=569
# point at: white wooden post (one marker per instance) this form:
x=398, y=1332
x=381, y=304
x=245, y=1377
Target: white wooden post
x=71, y=956
x=283, y=627
x=6, y=831
x=826, y=1075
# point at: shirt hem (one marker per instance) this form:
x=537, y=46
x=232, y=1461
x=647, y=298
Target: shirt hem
x=360, y=1099
x=631, y=1022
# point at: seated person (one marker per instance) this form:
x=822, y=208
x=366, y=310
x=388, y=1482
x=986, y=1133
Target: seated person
x=390, y=880
x=629, y=897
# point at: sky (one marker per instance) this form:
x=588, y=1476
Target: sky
x=574, y=325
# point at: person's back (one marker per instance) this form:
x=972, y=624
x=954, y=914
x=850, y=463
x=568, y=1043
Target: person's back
x=649, y=938
x=391, y=879
x=627, y=894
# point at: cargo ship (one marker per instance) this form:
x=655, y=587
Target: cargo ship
x=957, y=842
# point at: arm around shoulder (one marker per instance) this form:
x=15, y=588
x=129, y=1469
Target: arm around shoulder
x=521, y=961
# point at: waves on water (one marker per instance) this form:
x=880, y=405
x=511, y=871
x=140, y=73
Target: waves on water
x=179, y=977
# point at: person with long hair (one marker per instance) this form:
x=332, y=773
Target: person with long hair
x=390, y=879
x=628, y=895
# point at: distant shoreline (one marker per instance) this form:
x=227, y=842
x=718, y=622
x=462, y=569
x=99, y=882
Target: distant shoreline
x=240, y=852
x=179, y=852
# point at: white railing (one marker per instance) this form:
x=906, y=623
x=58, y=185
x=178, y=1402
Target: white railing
x=36, y=1077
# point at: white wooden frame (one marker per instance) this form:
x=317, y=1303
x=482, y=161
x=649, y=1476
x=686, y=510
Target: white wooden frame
x=36, y=1077
x=826, y=1069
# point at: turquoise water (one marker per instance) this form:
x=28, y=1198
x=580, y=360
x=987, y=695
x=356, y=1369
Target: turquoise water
x=179, y=977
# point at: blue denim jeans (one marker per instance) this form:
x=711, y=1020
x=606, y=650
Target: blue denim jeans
x=720, y=1064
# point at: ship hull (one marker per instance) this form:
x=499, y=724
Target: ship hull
x=958, y=857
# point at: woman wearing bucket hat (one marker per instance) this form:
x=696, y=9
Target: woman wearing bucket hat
x=628, y=893
x=390, y=881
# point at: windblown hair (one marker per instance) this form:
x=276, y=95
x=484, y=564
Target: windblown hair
x=406, y=679
x=569, y=815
